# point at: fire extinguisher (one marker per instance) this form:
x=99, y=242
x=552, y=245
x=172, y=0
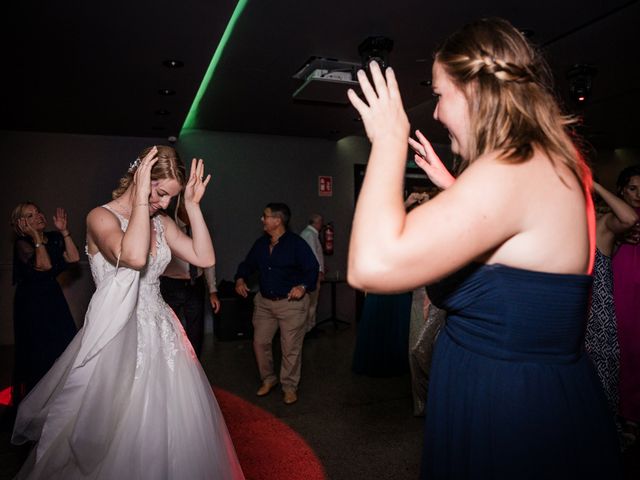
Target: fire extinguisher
x=327, y=244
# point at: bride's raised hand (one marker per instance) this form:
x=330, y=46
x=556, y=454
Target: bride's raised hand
x=142, y=178
x=382, y=114
x=197, y=184
x=429, y=161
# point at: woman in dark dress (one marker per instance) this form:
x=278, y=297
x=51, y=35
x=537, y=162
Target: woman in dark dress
x=382, y=344
x=383, y=336
x=43, y=325
x=601, y=338
x=507, y=250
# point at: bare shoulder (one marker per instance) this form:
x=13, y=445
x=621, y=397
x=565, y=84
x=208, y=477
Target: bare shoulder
x=167, y=221
x=100, y=219
x=492, y=184
x=100, y=215
x=533, y=181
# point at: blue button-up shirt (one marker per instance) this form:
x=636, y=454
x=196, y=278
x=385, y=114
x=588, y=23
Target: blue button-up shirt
x=290, y=263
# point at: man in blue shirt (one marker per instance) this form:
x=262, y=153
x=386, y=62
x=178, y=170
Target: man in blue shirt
x=288, y=271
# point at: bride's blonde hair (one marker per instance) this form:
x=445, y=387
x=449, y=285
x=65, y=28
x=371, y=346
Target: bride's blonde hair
x=168, y=165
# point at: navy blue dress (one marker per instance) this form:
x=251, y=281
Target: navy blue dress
x=512, y=393
x=43, y=325
x=382, y=344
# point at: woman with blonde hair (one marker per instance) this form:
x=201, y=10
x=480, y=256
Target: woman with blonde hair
x=507, y=250
x=128, y=398
x=43, y=325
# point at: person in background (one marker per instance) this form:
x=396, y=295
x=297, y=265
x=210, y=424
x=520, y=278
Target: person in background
x=601, y=338
x=383, y=339
x=43, y=325
x=184, y=287
x=311, y=235
x=425, y=323
x=626, y=293
x=506, y=249
x=288, y=271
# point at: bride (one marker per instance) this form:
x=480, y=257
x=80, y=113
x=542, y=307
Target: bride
x=128, y=398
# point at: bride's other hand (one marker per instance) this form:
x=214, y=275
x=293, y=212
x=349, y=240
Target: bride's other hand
x=429, y=161
x=382, y=114
x=197, y=184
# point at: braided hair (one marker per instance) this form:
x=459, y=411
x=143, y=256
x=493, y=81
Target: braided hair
x=508, y=86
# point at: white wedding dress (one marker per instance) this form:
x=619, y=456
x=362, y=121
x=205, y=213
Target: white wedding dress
x=128, y=398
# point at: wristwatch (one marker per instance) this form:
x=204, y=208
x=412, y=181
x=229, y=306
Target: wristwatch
x=303, y=286
x=38, y=245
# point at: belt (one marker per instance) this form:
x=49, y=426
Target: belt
x=273, y=299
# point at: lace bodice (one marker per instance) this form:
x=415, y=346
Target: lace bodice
x=158, y=329
x=101, y=268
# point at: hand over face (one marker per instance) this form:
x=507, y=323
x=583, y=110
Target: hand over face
x=27, y=229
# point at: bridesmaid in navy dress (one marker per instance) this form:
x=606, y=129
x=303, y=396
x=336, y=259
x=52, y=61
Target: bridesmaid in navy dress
x=508, y=249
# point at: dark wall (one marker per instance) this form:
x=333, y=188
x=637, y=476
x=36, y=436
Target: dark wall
x=78, y=172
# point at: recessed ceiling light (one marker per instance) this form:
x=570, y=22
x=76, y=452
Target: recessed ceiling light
x=166, y=91
x=173, y=63
x=162, y=111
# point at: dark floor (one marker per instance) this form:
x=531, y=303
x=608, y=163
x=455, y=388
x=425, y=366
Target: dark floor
x=359, y=427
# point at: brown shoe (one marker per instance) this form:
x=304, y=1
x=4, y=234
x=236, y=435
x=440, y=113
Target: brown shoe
x=265, y=388
x=290, y=397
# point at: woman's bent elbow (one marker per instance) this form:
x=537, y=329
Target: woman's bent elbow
x=134, y=263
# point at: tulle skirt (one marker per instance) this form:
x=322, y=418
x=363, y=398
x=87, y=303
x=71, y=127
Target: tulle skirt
x=137, y=407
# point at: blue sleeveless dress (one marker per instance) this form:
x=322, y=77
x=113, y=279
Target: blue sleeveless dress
x=512, y=393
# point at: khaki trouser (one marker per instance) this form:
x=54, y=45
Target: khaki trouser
x=313, y=306
x=290, y=317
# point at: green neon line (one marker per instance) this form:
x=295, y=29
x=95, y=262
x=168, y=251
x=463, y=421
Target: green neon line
x=190, y=121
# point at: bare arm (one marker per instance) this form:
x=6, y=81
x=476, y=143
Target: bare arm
x=197, y=250
x=70, y=254
x=624, y=216
x=104, y=231
x=434, y=239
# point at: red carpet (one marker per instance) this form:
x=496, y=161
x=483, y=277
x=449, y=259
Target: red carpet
x=267, y=448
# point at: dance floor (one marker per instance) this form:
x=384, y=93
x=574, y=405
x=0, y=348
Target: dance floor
x=267, y=448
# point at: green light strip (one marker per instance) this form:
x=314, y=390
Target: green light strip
x=189, y=122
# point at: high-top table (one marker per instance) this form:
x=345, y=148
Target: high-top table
x=333, y=281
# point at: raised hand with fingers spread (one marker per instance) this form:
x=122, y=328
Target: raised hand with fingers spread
x=197, y=184
x=429, y=161
x=382, y=114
